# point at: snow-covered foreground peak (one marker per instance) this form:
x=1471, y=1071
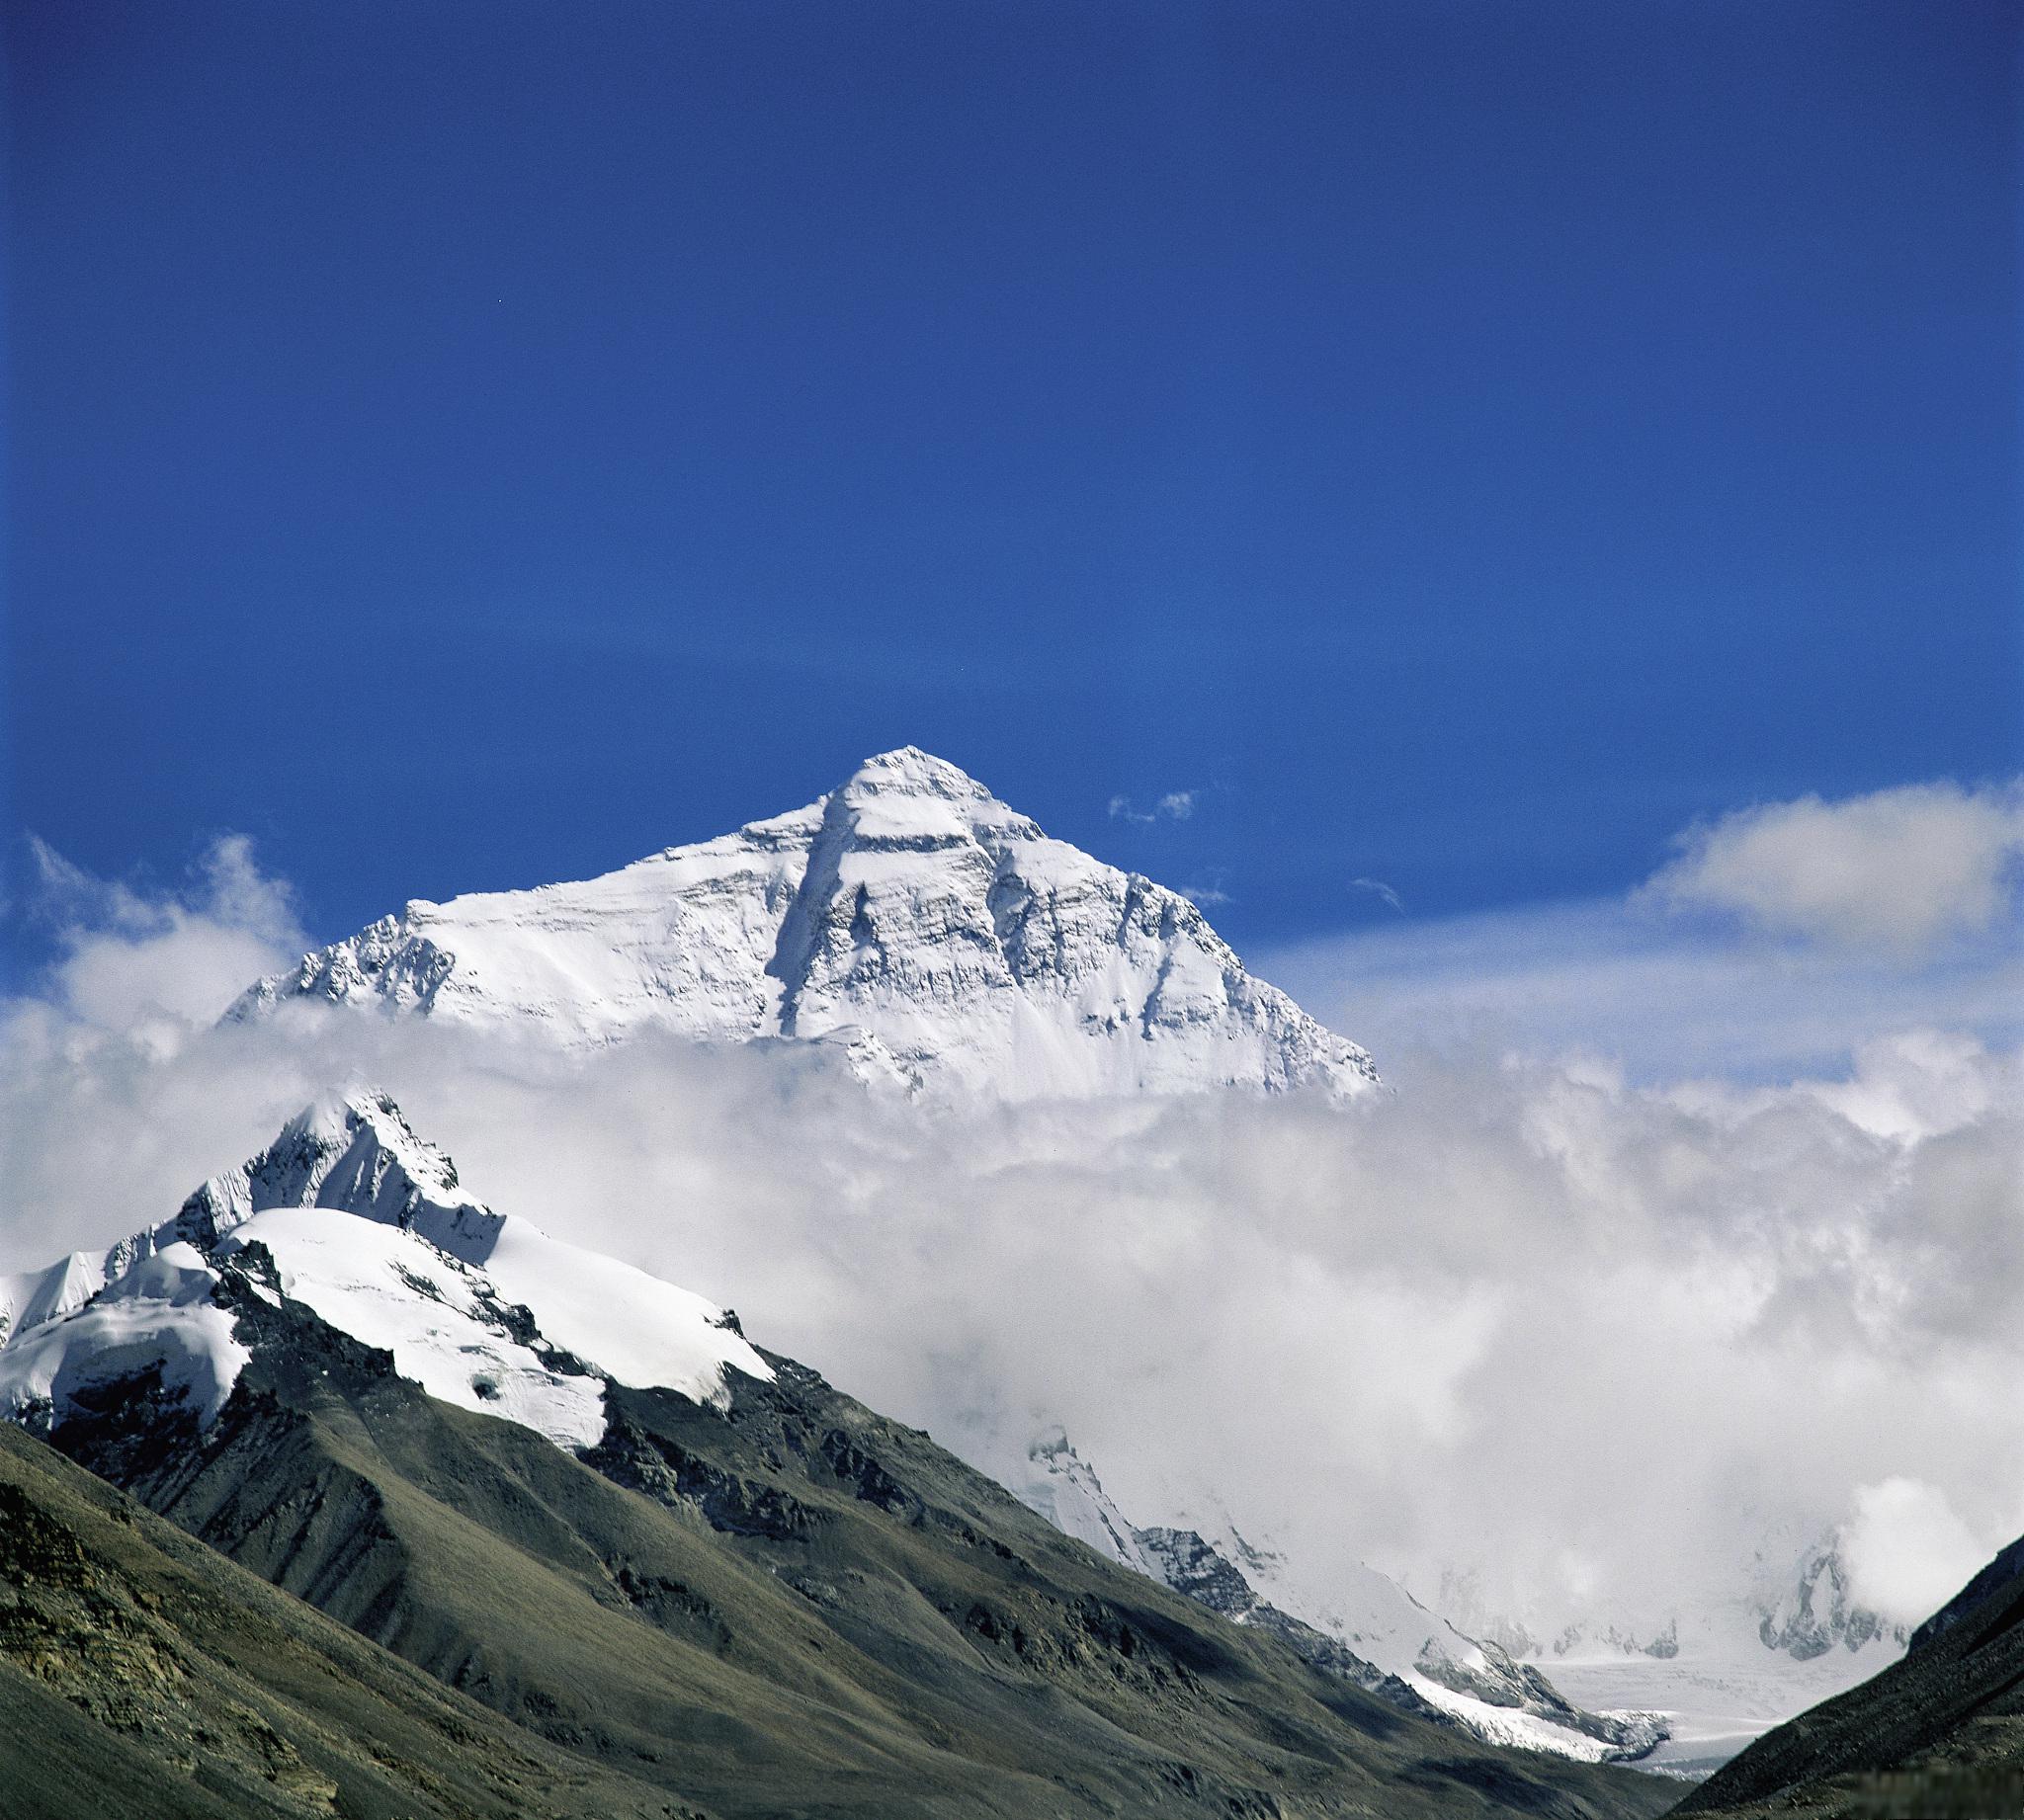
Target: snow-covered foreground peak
x=932, y=934
x=352, y=1153
x=1372, y=1621
x=351, y=1215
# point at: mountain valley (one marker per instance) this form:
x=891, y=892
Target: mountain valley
x=750, y=1594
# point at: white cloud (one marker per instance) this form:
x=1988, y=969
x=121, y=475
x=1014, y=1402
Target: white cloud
x=1585, y=1336
x=1902, y=868
x=1908, y=1551
x=1380, y=889
x=153, y=964
x=1917, y=1082
x=1175, y=805
x=1515, y=1316
x=1664, y=1000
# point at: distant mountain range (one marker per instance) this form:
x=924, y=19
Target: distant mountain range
x=909, y=920
x=687, y=1575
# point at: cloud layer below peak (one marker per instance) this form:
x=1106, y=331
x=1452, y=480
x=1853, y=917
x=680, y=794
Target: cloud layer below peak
x=1586, y=1310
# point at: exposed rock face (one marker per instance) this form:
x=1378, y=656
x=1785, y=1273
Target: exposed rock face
x=355, y=1154
x=933, y=936
x=1817, y=1613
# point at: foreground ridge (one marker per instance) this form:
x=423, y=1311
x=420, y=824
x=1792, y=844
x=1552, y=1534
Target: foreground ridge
x=752, y=1597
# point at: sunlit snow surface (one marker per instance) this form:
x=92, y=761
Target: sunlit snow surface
x=436, y=1316
x=932, y=936
x=376, y=1237
x=159, y=1313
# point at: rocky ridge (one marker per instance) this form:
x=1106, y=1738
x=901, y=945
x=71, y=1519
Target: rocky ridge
x=1374, y=1631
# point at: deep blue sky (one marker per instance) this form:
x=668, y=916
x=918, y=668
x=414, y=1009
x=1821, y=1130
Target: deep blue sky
x=469, y=444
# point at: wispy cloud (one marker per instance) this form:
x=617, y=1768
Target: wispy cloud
x=1684, y=974
x=1175, y=805
x=1598, y=977
x=1379, y=889
x=133, y=961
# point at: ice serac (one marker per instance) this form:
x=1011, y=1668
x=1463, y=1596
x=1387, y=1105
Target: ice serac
x=931, y=935
x=352, y=1216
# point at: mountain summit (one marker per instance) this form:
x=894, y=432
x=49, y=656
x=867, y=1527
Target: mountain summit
x=933, y=932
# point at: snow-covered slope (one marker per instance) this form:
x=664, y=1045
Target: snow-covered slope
x=29, y=1297
x=1409, y=1652
x=351, y=1215
x=937, y=937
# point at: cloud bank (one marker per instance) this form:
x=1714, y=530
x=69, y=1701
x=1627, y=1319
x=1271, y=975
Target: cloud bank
x=1592, y=1340
x=1909, y=1549
x=1905, y=869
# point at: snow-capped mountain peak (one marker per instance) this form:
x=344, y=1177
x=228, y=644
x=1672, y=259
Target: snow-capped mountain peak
x=352, y=1153
x=931, y=934
x=351, y=1215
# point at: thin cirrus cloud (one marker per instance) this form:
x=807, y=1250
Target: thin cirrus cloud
x=1377, y=888
x=1906, y=870
x=1777, y=942
x=1175, y=805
